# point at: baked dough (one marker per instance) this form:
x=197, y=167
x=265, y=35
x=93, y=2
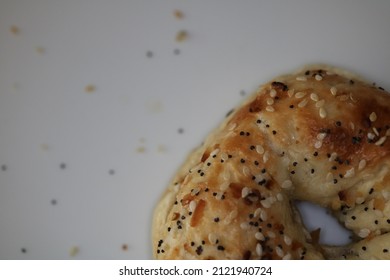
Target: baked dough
x=320, y=135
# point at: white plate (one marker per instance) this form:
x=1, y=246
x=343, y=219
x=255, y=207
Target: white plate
x=81, y=171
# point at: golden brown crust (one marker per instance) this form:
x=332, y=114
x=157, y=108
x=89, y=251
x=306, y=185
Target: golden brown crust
x=318, y=135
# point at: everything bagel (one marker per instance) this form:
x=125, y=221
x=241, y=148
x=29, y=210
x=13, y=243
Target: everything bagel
x=320, y=135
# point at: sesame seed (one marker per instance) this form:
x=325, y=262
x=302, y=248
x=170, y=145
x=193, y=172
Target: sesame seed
x=300, y=94
x=318, y=77
x=349, y=173
x=192, y=205
x=259, y=236
x=244, y=226
x=287, y=257
x=373, y=117
x=270, y=101
x=266, y=157
x=364, y=232
x=322, y=112
x=333, y=91
x=272, y=93
x=362, y=164
x=270, y=109
x=290, y=92
x=266, y=203
x=333, y=156
x=318, y=144
x=287, y=240
x=259, y=249
x=381, y=141
x=244, y=192
x=301, y=78
x=259, y=149
x=279, y=252
x=263, y=215
x=287, y=184
x=302, y=103
x=314, y=97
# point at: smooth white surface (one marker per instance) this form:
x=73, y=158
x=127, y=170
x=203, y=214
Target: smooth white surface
x=123, y=142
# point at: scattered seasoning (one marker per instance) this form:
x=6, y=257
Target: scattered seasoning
x=242, y=92
x=199, y=250
x=90, y=88
x=23, y=250
x=4, y=167
x=178, y=14
x=63, y=165
x=279, y=85
x=14, y=30
x=181, y=36
x=111, y=172
x=141, y=149
x=40, y=50
x=74, y=251
x=180, y=130
x=220, y=248
x=53, y=202
x=125, y=247
x=176, y=51
x=149, y=54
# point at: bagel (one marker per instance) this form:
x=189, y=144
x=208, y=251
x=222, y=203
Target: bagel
x=321, y=135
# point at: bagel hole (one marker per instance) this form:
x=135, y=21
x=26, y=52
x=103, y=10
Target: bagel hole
x=314, y=217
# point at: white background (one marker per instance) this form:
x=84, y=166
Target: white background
x=81, y=172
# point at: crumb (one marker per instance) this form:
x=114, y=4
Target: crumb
x=14, y=30
x=181, y=36
x=141, y=150
x=111, y=171
x=149, y=54
x=180, y=130
x=125, y=247
x=45, y=147
x=161, y=148
x=74, y=251
x=90, y=88
x=53, y=202
x=24, y=250
x=178, y=14
x=40, y=50
x=154, y=106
